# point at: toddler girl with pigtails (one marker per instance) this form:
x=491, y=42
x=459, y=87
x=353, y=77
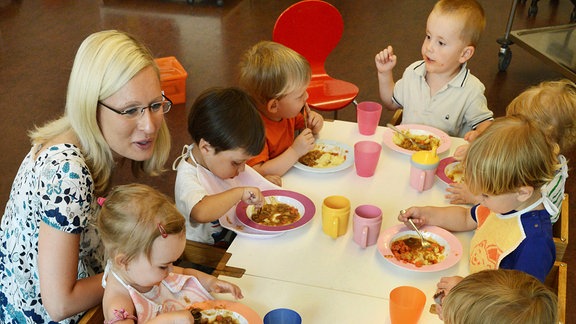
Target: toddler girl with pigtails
x=144, y=234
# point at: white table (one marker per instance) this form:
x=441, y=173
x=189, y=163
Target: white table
x=280, y=270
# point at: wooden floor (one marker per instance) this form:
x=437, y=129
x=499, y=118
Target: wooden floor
x=38, y=40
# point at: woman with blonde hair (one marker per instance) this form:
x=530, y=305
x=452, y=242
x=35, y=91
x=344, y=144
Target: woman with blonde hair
x=50, y=252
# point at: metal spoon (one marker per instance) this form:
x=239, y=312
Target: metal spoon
x=392, y=127
x=425, y=244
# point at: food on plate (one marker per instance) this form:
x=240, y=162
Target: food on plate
x=455, y=171
x=409, y=249
x=323, y=156
x=213, y=316
x=276, y=214
x=428, y=141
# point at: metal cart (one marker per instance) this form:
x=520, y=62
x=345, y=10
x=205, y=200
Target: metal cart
x=505, y=53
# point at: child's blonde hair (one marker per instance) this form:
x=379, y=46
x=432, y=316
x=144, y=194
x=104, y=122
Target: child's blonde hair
x=551, y=105
x=510, y=154
x=471, y=14
x=133, y=216
x=271, y=70
x=500, y=296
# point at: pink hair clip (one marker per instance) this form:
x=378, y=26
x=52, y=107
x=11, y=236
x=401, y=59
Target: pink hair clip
x=162, y=231
x=100, y=201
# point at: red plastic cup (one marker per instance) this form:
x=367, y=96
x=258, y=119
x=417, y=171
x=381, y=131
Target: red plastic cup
x=366, y=156
x=368, y=116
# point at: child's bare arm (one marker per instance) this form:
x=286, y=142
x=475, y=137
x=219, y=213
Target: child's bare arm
x=212, y=207
x=211, y=283
x=385, y=62
x=279, y=165
x=452, y=218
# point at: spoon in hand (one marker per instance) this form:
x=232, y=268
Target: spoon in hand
x=425, y=244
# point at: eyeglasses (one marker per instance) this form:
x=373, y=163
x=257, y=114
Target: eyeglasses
x=131, y=113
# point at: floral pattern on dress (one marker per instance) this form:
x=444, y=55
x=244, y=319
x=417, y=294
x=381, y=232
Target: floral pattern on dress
x=55, y=188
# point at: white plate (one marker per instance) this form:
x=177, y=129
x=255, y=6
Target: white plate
x=330, y=146
x=232, y=223
x=445, y=140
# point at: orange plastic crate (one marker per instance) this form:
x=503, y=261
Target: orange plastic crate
x=173, y=79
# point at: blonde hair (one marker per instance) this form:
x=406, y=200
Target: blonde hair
x=130, y=218
x=271, y=70
x=104, y=63
x=510, y=154
x=471, y=14
x=500, y=296
x=551, y=105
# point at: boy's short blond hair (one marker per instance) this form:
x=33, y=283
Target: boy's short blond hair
x=471, y=13
x=551, y=105
x=500, y=296
x=271, y=70
x=130, y=218
x=511, y=153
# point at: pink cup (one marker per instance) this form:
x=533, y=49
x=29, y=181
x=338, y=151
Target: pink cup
x=423, y=165
x=367, y=221
x=368, y=116
x=366, y=155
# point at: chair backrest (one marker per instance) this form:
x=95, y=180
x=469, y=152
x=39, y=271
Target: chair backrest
x=312, y=28
x=560, y=229
x=556, y=280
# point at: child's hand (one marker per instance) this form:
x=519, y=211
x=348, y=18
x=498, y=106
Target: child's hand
x=252, y=196
x=471, y=135
x=315, y=120
x=461, y=151
x=415, y=214
x=275, y=179
x=221, y=286
x=304, y=142
x=385, y=60
x=459, y=194
x=445, y=285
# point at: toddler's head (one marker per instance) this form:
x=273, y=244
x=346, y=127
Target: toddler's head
x=551, y=105
x=500, y=296
x=510, y=154
x=133, y=218
x=469, y=13
x=271, y=70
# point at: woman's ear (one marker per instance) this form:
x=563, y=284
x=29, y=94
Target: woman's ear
x=524, y=193
x=467, y=53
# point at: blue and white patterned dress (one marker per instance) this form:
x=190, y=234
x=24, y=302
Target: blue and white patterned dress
x=55, y=188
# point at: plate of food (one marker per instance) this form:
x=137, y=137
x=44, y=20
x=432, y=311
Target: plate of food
x=223, y=311
x=401, y=246
x=327, y=156
x=283, y=211
x=426, y=135
x=232, y=223
x=450, y=170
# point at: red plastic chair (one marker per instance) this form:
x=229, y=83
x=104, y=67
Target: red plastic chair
x=313, y=28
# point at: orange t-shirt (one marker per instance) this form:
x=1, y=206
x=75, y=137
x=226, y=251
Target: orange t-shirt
x=279, y=137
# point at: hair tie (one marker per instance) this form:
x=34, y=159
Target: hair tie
x=162, y=231
x=100, y=201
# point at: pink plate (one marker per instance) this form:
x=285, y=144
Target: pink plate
x=445, y=165
x=247, y=315
x=304, y=205
x=453, y=247
x=445, y=140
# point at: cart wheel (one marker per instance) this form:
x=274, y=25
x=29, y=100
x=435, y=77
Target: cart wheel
x=504, y=58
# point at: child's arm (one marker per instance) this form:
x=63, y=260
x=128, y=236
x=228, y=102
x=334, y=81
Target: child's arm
x=473, y=134
x=283, y=162
x=314, y=120
x=458, y=193
x=453, y=218
x=211, y=283
x=212, y=207
x=385, y=62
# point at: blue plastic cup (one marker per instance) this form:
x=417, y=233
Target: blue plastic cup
x=282, y=316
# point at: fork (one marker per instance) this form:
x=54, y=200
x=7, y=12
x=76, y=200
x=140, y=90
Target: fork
x=392, y=127
x=425, y=244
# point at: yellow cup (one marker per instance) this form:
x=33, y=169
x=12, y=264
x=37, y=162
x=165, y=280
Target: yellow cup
x=335, y=215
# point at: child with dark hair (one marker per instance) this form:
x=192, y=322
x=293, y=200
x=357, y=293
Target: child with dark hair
x=213, y=177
